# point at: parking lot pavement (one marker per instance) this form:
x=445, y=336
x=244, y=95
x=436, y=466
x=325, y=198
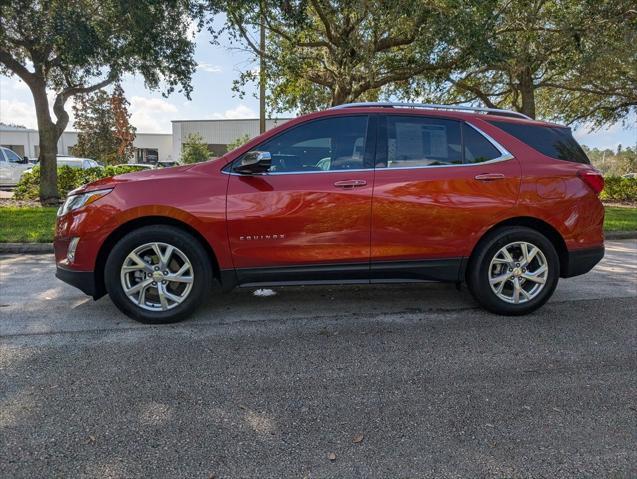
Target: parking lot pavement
x=273, y=385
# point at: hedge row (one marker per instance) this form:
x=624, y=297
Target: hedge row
x=617, y=188
x=68, y=179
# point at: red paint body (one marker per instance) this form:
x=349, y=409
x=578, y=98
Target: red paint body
x=300, y=219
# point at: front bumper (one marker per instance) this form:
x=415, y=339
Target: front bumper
x=83, y=280
x=582, y=261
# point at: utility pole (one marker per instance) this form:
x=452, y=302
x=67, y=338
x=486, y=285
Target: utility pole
x=262, y=72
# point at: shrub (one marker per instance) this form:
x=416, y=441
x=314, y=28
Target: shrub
x=194, y=149
x=242, y=140
x=68, y=179
x=617, y=188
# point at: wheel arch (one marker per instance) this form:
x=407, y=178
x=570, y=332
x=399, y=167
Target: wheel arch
x=133, y=224
x=537, y=224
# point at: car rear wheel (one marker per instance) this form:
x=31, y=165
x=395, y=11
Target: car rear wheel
x=513, y=271
x=158, y=274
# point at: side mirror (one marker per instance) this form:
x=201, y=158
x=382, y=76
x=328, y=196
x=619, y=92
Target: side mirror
x=25, y=160
x=254, y=162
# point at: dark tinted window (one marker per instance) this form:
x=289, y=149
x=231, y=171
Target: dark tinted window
x=322, y=145
x=556, y=142
x=477, y=148
x=420, y=141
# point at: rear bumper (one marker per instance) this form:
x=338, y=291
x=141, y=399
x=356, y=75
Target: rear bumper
x=83, y=280
x=582, y=261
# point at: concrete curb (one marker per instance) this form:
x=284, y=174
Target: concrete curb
x=26, y=248
x=47, y=248
x=615, y=235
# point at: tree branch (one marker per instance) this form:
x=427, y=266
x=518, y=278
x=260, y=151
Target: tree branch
x=324, y=20
x=60, y=100
x=16, y=67
x=476, y=91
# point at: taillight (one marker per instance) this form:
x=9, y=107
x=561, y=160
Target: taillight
x=593, y=179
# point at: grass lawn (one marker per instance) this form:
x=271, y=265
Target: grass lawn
x=26, y=225
x=35, y=225
x=619, y=218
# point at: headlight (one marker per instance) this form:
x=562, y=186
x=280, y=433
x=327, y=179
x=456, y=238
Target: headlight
x=74, y=202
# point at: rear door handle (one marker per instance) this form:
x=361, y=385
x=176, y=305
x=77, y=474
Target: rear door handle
x=489, y=177
x=350, y=183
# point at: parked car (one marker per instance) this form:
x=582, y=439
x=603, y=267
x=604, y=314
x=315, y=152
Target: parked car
x=141, y=166
x=73, y=162
x=12, y=166
x=367, y=193
x=167, y=164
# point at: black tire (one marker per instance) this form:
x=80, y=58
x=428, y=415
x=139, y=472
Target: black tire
x=478, y=270
x=202, y=273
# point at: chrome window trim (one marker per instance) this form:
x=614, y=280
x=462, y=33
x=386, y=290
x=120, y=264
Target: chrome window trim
x=505, y=155
x=274, y=173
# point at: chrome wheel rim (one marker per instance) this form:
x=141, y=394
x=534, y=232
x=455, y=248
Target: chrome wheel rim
x=157, y=276
x=518, y=272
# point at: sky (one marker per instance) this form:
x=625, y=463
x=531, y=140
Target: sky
x=212, y=98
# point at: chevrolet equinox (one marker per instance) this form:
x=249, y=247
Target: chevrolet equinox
x=366, y=192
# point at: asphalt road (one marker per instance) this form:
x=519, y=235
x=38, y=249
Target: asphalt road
x=351, y=381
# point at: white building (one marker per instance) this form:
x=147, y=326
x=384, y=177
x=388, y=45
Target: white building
x=149, y=147
x=217, y=134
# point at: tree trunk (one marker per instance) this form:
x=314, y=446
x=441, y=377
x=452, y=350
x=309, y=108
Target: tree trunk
x=527, y=93
x=341, y=94
x=49, y=134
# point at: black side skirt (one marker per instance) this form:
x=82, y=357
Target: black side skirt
x=447, y=270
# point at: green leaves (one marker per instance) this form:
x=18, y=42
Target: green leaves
x=322, y=53
x=104, y=131
x=76, y=47
x=568, y=61
x=67, y=179
x=194, y=150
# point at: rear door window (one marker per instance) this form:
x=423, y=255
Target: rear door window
x=477, y=149
x=554, y=141
x=421, y=141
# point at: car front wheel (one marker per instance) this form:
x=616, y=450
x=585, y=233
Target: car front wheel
x=158, y=274
x=514, y=271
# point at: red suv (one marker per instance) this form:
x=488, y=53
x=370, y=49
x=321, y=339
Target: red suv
x=365, y=193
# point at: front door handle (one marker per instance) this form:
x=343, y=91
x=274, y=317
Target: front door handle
x=350, y=183
x=489, y=177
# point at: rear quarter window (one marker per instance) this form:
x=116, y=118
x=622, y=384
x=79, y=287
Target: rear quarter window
x=554, y=141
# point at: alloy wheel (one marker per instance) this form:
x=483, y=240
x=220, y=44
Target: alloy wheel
x=157, y=276
x=518, y=272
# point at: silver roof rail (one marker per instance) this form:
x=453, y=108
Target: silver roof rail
x=389, y=104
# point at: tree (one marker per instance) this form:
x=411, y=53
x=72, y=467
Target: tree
x=612, y=163
x=194, y=150
x=568, y=60
x=75, y=47
x=601, y=86
x=324, y=53
x=242, y=140
x=124, y=132
x=105, y=133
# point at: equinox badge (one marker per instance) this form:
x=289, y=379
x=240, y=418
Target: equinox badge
x=261, y=237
